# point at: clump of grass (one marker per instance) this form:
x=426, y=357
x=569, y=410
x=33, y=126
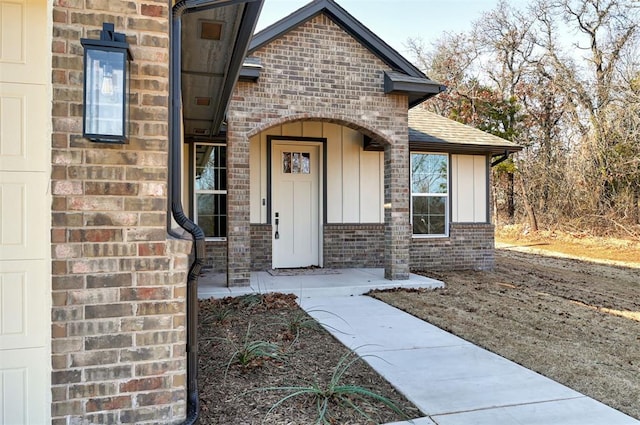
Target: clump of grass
x=294, y=323
x=299, y=320
x=251, y=352
x=334, y=393
x=218, y=314
x=250, y=300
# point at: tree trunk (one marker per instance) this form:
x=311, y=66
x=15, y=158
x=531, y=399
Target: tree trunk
x=531, y=214
x=635, y=207
x=511, y=204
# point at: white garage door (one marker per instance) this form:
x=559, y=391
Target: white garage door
x=25, y=212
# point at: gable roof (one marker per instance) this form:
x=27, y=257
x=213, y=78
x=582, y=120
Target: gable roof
x=433, y=132
x=403, y=71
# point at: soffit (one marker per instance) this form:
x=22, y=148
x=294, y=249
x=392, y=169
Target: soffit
x=214, y=44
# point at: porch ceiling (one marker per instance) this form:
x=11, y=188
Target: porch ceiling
x=214, y=44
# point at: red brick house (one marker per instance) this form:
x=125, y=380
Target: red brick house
x=320, y=155
x=331, y=161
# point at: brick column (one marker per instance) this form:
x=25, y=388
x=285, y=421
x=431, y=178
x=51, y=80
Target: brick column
x=397, y=233
x=118, y=283
x=238, y=210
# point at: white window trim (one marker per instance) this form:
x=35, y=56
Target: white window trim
x=447, y=217
x=206, y=192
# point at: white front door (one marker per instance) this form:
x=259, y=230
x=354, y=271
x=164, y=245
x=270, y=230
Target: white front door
x=295, y=216
x=25, y=212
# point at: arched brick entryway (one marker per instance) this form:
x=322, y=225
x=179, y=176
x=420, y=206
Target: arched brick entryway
x=396, y=211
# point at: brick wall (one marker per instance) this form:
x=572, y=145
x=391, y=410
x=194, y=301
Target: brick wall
x=261, y=247
x=353, y=245
x=317, y=71
x=216, y=251
x=216, y=256
x=118, y=348
x=469, y=246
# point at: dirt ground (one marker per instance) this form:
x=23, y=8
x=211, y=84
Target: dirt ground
x=306, y=355
x=573, y=320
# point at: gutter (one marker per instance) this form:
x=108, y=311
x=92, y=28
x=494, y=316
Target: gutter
x=499, y=158
x=251, y=13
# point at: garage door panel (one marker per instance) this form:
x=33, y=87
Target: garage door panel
x=22, y=400
x=12, y=21
x=23, y=304
x=23, y=226
x=25, y=211
x=22, y=25
x=24, y=118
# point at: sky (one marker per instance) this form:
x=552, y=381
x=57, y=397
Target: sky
x=395, y=21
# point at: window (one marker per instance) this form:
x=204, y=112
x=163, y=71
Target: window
x=296, y=162
x=429, y=194
x=211, y=189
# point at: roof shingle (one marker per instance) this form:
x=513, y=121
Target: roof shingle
x=431, y=131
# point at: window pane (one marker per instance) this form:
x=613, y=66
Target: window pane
x=211, y=167
x=295, y=159
x=429, y=173
x=436, y=225
x=420, y=215
x=286, y=162
x=212, y=214
x=222, y=179
x=429, y=215
x=437, y=205
x=306, y=163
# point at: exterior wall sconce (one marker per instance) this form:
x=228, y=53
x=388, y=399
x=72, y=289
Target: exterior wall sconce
x=106, y=87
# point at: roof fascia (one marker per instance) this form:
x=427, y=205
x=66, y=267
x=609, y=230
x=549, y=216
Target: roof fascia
x=249, y=74
x=370, y=146
x=248, y=24
x=417, y=92
x=470, y=149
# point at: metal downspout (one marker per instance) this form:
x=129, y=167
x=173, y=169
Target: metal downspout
x=175, y=142
x=175, y=191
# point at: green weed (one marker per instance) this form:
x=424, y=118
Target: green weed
x=251, y=353
x=334, y=393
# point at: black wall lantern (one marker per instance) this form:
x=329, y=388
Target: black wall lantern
x=106, y=87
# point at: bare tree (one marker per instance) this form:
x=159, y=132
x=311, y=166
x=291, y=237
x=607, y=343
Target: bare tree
x=607, y=29
x=563, y=80
x=450, y=61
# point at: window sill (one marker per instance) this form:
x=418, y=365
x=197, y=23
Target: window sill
x=430, y=236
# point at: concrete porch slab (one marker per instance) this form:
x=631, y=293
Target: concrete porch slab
x=345, y=282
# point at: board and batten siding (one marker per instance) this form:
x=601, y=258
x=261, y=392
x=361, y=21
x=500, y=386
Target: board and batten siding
x=469, y=189
x=354, y=178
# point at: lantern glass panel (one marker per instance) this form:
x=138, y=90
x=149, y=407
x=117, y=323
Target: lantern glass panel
x=105, y=95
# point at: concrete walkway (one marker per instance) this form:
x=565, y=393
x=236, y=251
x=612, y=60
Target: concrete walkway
x=450, y=380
